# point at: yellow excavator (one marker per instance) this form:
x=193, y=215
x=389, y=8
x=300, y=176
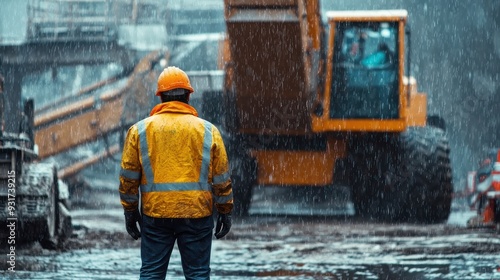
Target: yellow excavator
x=317, y=100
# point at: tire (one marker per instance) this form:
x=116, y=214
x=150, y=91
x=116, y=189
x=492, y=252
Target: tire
x=51, y=224
x=243, y=178
x=403, y=179
x=378, y=191
x=65, y=224
x=362, y=194
x=428, y=163
x=243, y=174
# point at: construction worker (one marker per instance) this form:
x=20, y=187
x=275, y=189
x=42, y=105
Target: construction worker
x=178, y=162
x=485, y=205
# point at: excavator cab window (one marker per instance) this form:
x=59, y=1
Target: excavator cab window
x=365, y=75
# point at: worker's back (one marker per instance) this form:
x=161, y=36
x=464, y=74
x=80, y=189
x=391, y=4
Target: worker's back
x=176, y=140
x=178, y=146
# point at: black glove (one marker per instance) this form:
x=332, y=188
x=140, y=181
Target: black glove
x=223, y=225
x=131, y=220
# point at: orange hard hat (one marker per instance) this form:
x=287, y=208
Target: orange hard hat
x=173, y=78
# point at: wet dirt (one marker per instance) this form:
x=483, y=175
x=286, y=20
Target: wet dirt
x=285, y=237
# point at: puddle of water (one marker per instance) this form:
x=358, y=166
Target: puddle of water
x=278, y=259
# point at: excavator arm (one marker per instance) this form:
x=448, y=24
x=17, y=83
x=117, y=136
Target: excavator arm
x=92, y=116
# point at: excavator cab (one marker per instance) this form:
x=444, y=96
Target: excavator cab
x=365, y=83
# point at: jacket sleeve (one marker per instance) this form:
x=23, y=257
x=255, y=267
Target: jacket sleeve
x=221, y=181
x=130, y=173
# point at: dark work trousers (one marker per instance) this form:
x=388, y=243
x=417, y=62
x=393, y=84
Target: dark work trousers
x=194, y=240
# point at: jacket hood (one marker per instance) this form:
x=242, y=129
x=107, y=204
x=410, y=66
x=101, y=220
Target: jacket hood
x=176, y=107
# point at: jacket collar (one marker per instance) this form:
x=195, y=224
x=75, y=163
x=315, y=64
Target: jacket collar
x=175, y=107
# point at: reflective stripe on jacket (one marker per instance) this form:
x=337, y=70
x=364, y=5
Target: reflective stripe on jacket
x=179, y=163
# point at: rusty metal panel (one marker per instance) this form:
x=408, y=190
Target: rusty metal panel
x=269, y=74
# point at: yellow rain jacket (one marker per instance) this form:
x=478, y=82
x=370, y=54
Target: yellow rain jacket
x=178, y=162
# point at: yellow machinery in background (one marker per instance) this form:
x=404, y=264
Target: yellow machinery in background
x=317, y=100
x=89, y=115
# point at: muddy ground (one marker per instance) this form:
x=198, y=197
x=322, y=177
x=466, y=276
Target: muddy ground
x=286, y=236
